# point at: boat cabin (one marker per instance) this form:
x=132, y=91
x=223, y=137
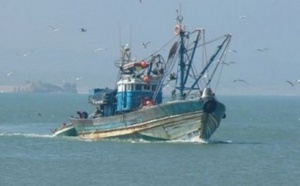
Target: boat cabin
x=134, y=92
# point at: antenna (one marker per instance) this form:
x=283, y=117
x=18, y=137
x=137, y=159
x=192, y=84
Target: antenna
x=130, y=41
x=179, y=17
x=120, y=36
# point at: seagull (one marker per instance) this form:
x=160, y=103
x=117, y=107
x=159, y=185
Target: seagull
x=54, y=29
x=78, y=78
x=229, y=63
x=240, y=80
x=242, y=17
x=99, y=49
x=83, y=29
x=232, y=51
x=126, y=47
x=9, y=74
x=27, y=53
x=262, y=49
x=145, y=44
x=289, y=82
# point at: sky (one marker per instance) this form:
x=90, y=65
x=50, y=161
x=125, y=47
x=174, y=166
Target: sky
x=41, y=40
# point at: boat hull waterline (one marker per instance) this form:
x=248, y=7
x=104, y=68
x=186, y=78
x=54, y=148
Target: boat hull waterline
x=169, y=121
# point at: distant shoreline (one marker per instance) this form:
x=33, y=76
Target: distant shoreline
x=39, y=87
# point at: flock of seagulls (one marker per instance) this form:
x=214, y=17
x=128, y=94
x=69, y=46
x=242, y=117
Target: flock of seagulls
x=235, y=51
x=57, y=29
x=291, y=83
x=145, y=44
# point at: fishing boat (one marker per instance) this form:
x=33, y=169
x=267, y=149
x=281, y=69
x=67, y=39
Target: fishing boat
x=135, y=108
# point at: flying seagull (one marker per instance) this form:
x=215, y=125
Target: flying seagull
x=9, y=74
x=229, y=63
x=27, y=53
x=99, y=49
x=78, y=78
x=83, y=29
x=54, y=29
x=289, y=82
x=240, y=80
x=242, y=17
x=262, y=49
x=145, y=44
x=232, y=51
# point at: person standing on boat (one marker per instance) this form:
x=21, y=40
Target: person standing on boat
x=82, y=115
x=64, y=125
x=79, y=114
x=97, y=113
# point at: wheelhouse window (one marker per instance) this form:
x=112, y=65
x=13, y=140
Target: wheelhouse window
x=120, y=88
x=146, y=87
x=129, y=87
x=153, y=88
x=138, y=87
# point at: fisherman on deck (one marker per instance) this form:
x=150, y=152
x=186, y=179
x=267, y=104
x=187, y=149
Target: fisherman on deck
x=97, y=113
x=79, y=114
x=64, y=125
x=82, y=115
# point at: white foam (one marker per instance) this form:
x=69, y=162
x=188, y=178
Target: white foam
x=32, y=135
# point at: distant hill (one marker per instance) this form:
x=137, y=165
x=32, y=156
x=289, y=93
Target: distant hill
x=43, y=87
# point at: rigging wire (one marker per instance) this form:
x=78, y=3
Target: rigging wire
x=224, y=54
x=158, y=50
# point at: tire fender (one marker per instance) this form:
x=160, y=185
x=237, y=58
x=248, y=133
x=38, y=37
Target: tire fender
x=209, y=105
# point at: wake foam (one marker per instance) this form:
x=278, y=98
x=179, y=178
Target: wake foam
x=30, y=135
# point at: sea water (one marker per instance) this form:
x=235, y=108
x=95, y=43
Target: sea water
x=256, y=144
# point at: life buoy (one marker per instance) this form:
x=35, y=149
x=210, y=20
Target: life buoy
x=209, y=105
x=147, y=102
x=147, y=79
x=177, y=29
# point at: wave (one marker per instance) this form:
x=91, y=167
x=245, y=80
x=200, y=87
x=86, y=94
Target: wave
x=191, y=141
x=138, y=141
x=31, y=135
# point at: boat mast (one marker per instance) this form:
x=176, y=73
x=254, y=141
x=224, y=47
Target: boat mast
x=182, y=50
x=124, y=58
